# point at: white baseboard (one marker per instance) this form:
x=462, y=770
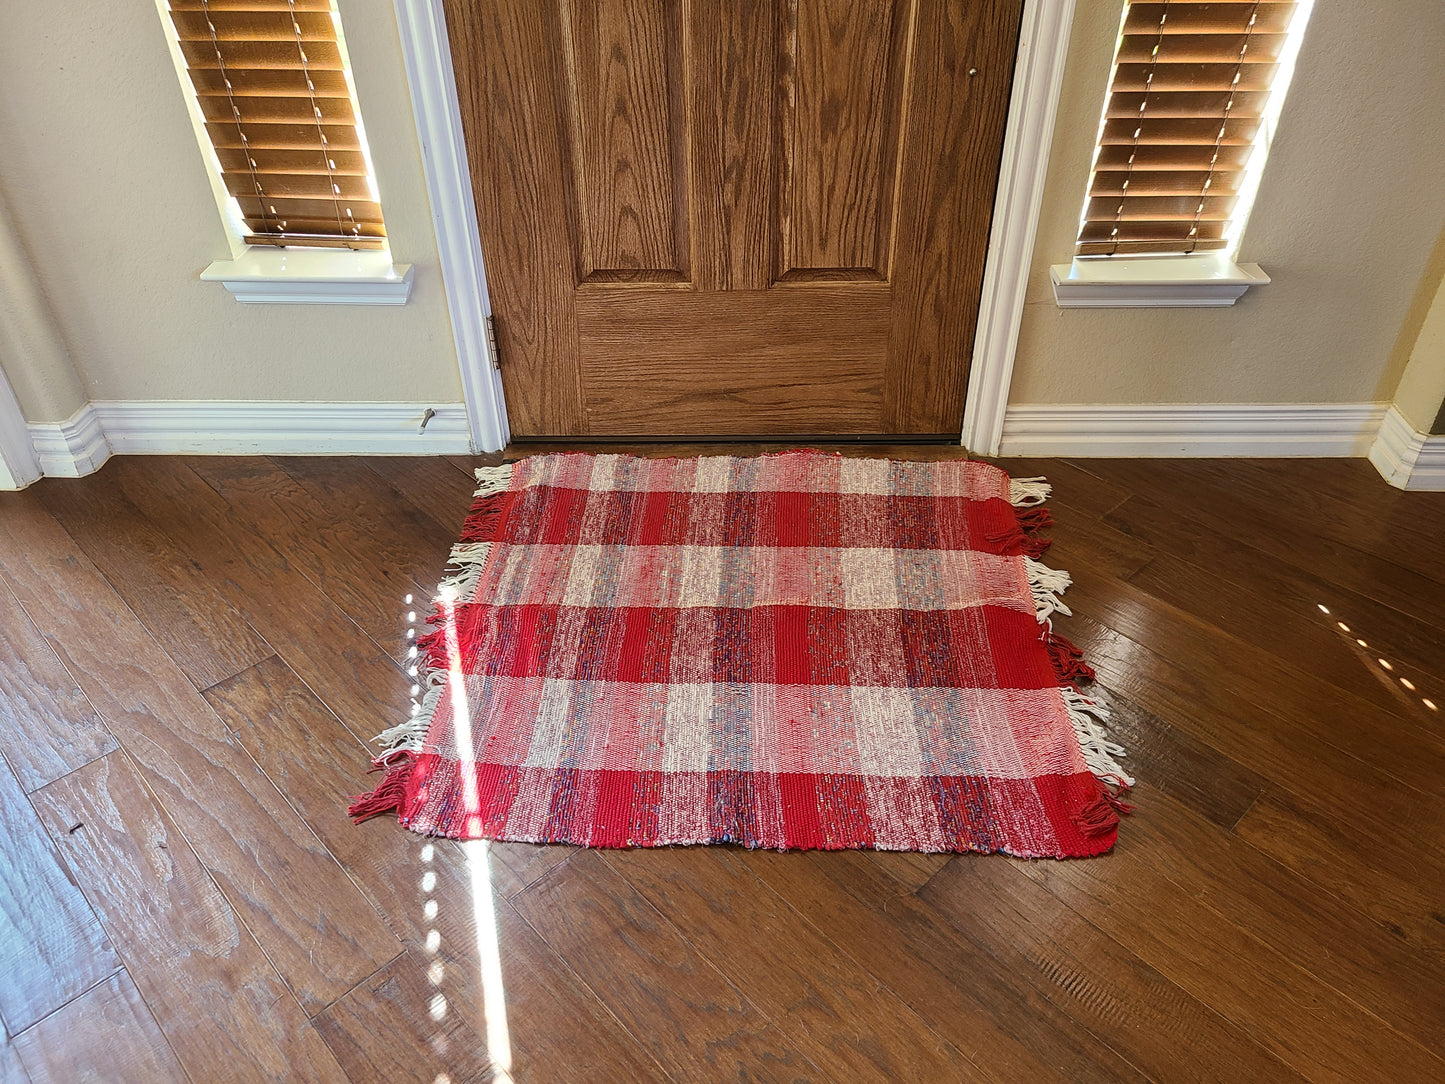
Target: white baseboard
x=1192, y=429
x=167, y=427
x=1407, y=458
x=72, y=448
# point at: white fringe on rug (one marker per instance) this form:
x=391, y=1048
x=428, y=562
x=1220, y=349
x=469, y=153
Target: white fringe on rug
x=1048, y=585
x=1088, y=717
x=1027, y=492
x=467, y=559
x=492, y=479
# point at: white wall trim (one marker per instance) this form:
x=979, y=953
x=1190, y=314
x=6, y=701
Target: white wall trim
x=428, y=58
x=1206, y=280
x=18, y=465
x=1033, y=103
x=231, y=427
x=313, y=276
x=1429, y=472
x=1192, y=429
x=1407, y=458
x=72, y=448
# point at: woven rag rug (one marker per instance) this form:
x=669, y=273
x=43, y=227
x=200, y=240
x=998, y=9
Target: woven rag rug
x=793, y=651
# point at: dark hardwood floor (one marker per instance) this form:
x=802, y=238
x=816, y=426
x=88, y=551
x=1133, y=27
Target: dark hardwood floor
x=193, y=652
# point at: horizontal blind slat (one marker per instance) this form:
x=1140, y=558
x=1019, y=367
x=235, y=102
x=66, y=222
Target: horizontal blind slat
x=1201, y=76
x=314, y=227
x=269, y=82
x=313, y=185
x=287, y=207
x=1210, y=18
x=238, y=26
x=1147, y=182
x=1198, y=48
x=1160, y=248
x=1132, y=208
x=1150, y=230
x=316, y=241
x=291, y=162
x=276, y=110
x=283, y=136
x=250, y=5
x=1171, y=157
x=320, y=55
x=1180, y=130
x=1189, y=103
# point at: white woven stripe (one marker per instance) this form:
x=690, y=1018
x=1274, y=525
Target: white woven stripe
x=687, y=576
x=837, y=730
x=785, y=472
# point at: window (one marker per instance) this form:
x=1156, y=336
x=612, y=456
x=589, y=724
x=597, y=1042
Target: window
x=1193, y=101
x=275, y=110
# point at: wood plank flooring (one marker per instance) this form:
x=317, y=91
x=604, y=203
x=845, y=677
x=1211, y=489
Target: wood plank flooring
x=193, y=652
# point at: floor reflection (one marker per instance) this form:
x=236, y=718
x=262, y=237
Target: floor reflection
x=478, y=860
x=1397, y=683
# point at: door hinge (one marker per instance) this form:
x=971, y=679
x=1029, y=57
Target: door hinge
x=492, y=344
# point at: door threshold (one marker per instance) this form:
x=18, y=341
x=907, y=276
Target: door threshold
x=760, y=438
x=927, y=446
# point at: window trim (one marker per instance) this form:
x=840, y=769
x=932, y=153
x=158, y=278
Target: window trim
x=1204, y=279
x=265, y=274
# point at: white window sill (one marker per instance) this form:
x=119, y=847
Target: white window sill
x=1121, y=282
x=313, y=276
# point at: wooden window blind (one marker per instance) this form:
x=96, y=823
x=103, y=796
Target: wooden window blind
x=271, y=81
x=1190, y=88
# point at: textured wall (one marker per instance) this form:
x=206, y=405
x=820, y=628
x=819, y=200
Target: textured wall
x=33, y=353
x=100, y=170
x=1347, y=215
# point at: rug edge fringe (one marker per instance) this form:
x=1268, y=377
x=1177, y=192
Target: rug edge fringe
x=1087, y=715
x=390, y=794
x=401, y=743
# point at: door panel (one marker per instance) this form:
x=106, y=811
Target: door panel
x=841, y=67
x=650, y=361
x=624, y=72
x=734, y=217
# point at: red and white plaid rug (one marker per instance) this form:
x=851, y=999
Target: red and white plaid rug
x=791, y=651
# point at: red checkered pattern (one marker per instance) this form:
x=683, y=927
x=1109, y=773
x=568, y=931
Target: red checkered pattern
x=791, y=651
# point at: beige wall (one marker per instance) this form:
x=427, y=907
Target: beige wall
x=100, y=170
x=1350, y=207
x=32, y=350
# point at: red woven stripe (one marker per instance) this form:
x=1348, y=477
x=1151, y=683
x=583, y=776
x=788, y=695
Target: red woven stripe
x=796, y=811
x=984, y=647
x=553, y=515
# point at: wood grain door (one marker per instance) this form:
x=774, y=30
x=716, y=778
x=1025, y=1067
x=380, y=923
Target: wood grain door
x=734, y=217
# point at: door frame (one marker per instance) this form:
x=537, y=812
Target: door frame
x=1033, y=103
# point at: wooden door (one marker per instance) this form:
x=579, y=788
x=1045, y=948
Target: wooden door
x=734, y=217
